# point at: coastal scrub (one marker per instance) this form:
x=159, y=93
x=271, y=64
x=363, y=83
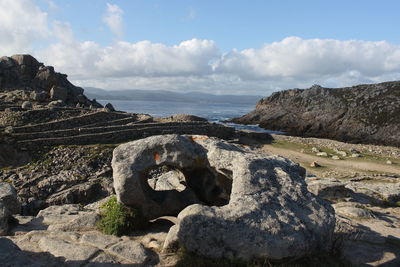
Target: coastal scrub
x=118, y=219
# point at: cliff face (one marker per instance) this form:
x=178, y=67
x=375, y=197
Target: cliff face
x=31, y=80
x=360, y=114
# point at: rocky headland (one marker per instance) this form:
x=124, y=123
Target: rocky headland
x=359, y=114
x=86, y=185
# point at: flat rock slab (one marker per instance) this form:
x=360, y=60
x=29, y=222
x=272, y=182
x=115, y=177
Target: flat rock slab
x=70, y=251
x=380, y=192
x=328, y=188
x=130, y=250
x=59, y=214
x=99, y=240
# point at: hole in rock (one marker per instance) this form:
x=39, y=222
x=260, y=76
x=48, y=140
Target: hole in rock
x=163, y=178
x=211, y=187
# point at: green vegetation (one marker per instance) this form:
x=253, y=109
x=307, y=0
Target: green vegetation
x=306, y=148
x=118, y=219
x=188, y=259
x=290, y=145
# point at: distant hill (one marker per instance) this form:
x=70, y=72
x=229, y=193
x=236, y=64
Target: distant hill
x=169, y=96
x=367, y=113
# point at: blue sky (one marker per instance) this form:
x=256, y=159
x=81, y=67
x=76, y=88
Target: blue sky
x=234, y=24
x=235, y=47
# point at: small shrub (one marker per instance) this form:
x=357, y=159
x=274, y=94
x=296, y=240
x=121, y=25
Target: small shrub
x=118, y=219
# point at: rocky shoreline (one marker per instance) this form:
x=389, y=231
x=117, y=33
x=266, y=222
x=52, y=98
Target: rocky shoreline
x=360, y=114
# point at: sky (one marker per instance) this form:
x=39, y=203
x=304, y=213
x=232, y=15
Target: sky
x=220, y=46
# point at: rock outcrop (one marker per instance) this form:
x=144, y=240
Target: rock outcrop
x=67, y=236
x=358, y=114
x=8, y=195
x=4, y=218
x=61, y=175
x=38, y=82
x=9, y=205
x=250, y=205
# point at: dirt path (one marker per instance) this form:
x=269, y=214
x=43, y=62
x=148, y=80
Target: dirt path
x=349, y=164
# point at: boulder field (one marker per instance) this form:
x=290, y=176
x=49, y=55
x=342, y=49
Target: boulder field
x=205, y=196
x=359, y=114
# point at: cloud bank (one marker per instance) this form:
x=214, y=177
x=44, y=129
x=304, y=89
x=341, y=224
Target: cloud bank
x=21, y=24
x=194, y=65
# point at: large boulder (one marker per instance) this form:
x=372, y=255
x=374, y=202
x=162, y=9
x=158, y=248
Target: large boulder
x=4, y=218
x=58, y=93
x=134, y=162
x=27, y=105
x=38, y=96
x=9, y=197
x=250, y=205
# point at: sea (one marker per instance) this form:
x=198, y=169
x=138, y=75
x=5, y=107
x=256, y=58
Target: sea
x=213, y=112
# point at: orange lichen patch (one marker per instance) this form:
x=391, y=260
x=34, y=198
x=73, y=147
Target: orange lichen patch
x=156, y=156
x=198, y=138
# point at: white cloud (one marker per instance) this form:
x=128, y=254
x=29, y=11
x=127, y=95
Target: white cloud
x=21, y=25
x=198, y=65
x=113, y=19
x=314, y=59
x=88, y=60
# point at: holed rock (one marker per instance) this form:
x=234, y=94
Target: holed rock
x=134, y=162
x=248, y=205
x=361, y=114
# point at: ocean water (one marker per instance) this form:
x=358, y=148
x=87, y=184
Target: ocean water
x=213, y=112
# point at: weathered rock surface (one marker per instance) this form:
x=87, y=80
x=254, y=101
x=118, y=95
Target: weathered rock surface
x=133, y=161
x=367, y=228
x=360, y=114
x=330, y=189
x=9, y=197
x=49, y=240
x=4, y=218
x=267, y=210
x=183, y=117
x=27, y=105
x=11, y=256
x=39, y=82
x=63, y=175
x=368, y=236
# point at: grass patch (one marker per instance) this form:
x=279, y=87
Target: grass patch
x=306, y=149
x=188, y=259
x=289, y=145
x=118, y=219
